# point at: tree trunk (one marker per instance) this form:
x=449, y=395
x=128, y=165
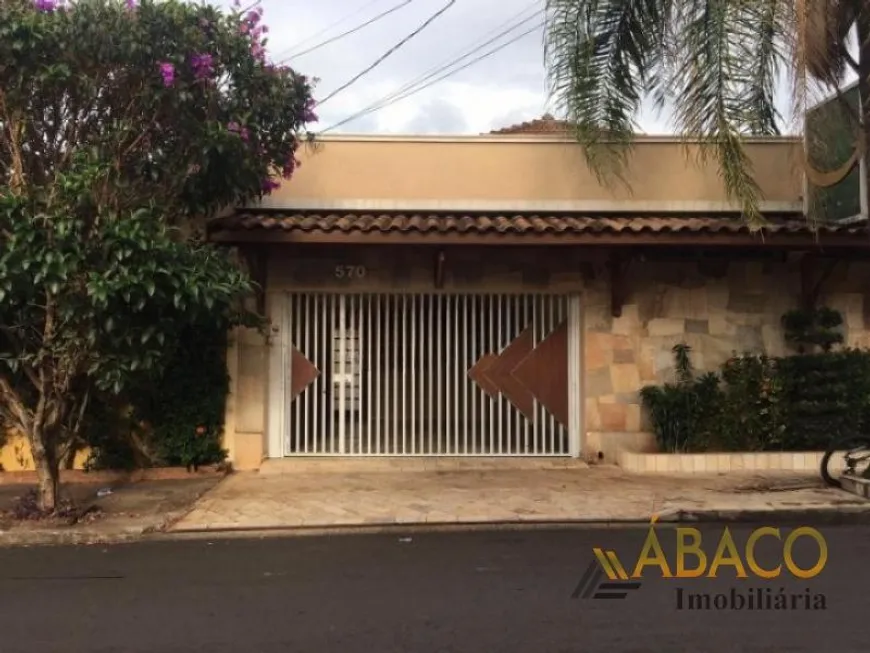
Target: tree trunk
x=47, y=472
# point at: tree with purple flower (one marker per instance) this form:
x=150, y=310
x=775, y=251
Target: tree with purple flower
x=199, y=121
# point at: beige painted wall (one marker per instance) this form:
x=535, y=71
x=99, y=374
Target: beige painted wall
x=461, y=172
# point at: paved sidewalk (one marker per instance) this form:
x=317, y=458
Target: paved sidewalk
x=130, y=511
x=597, y=494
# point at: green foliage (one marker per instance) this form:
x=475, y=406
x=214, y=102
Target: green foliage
x=177, y=97
x=749, y=417
x=185, y=406
x=759, y=403
x=826, y=396
x=807, y=329
x=680, y=412
x=173, y=417
x=607, y=59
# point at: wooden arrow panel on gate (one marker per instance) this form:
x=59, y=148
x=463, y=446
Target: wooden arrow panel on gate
x=545, y=373
x=523, y=373
x=500, y=374
x=302, y=372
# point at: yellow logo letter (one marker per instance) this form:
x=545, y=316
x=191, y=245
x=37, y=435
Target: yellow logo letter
x=684, y=548
x=656, y=560
x=756, y=569
x=733, y=558
x=816, y=569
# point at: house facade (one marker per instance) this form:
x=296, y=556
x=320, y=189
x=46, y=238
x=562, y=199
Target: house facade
x=489, y=296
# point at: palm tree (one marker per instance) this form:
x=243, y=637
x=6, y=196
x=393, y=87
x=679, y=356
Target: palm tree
x=721, y=60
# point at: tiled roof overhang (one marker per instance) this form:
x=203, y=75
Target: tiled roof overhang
x=454, y=227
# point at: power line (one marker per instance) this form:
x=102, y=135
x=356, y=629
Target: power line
x=391, y=99
x=447, y=63
x=353, y=30
x=380, y=59
x=364, y=112
x=336, y=23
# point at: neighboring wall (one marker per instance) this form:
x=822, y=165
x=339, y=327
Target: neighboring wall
x=717, y=309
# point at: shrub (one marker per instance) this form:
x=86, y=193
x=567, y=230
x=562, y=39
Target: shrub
x=684, y=413
x=751, y=410
x=825, y=396
x=174, y=418
x=759, y=403
x=807, y=329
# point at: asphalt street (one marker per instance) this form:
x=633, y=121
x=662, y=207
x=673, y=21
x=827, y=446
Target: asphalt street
x=481, y=592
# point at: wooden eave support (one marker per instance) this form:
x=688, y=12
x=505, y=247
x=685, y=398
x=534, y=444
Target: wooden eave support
x=440, y=258
x=813, y=278
x=256, y=259
x=618, y=264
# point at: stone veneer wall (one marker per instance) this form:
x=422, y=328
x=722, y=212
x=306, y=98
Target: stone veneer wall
x=718, y=309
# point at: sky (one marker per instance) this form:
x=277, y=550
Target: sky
x=504, y=88
x=500, y=90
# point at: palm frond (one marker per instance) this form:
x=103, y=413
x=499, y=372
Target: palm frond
x=725, y=79
x=603, y=57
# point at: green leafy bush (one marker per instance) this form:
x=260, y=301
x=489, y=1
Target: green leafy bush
x=759, y=403
x=173, y=418
x=825, y=396
x=683, y=413
x=807, y=329
x=751, y=410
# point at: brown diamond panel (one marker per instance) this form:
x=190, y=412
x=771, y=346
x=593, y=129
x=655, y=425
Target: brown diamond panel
x=302, y=372
x=477, y=373
x=544, y=372
x=500, y=373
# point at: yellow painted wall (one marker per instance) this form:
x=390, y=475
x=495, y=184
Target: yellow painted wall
x=15, y=455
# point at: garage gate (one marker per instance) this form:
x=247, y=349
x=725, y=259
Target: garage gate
x=428, y=375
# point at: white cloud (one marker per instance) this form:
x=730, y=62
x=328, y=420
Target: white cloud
x=506, y=88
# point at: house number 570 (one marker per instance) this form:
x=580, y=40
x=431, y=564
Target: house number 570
x=350, y=271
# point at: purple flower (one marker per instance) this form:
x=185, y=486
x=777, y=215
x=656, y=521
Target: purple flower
x=269, y=185
x=308, y=114
x=45, y=5
x=203, y=65
x=131, y=4
x=236, y=128
x=290, y=167
x=167, y=71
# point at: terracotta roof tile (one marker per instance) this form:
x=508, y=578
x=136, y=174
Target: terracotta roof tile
x=546, y=124
x=363, y=222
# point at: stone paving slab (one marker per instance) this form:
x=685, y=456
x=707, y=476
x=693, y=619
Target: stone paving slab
x=250, y=500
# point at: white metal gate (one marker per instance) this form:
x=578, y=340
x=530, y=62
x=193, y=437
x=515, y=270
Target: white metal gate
x=401, y=374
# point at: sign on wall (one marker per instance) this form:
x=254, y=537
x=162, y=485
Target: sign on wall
x=830, y=137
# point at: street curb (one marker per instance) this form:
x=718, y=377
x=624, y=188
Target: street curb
x=851, y=515
x=833, y=516
x=843, y=515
